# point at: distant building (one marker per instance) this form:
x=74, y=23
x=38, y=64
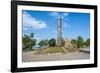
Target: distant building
x=67, y=42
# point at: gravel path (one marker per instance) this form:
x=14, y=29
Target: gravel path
x=30, y=57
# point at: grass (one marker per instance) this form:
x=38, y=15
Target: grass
x=53, y=50
x=27, y=50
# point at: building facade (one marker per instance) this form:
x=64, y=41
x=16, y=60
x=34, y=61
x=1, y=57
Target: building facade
x=68, y=43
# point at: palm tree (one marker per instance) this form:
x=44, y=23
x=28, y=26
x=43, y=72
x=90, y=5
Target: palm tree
x=32, y=41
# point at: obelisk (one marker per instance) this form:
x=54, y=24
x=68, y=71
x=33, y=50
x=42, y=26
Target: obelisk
x=59, y=32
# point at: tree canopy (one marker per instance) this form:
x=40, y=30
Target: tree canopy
x=28, y=42
x=43, y=43
x=80, y=42
x=87, y=42
x=52, y=42
x=74, y=42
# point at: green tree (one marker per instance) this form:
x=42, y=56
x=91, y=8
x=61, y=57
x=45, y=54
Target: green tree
x=87, y=42
x=74, y=42
x=52, y=42
x=80, y=42
x=28, y=42
x=43, y=43
x=31, y=35
x=32, y=43
x=46, y=43
x=25, y=41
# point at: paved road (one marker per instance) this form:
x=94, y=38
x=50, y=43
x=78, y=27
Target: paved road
x=30, y=57
x=38, y=52
x=85, y=50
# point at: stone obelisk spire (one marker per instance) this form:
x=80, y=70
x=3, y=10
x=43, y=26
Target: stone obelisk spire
x=59, y=32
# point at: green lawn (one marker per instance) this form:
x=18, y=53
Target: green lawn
x=53, y=50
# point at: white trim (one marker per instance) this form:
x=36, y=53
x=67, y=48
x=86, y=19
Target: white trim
x=53, y=63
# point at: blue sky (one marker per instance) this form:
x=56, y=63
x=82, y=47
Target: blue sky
x=44, y=24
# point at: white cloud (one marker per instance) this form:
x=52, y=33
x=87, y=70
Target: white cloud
x=65, y=25
x=24, y=28
x=55, y=31
x=54, y=14
x=63, y=15
x=29, y=21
